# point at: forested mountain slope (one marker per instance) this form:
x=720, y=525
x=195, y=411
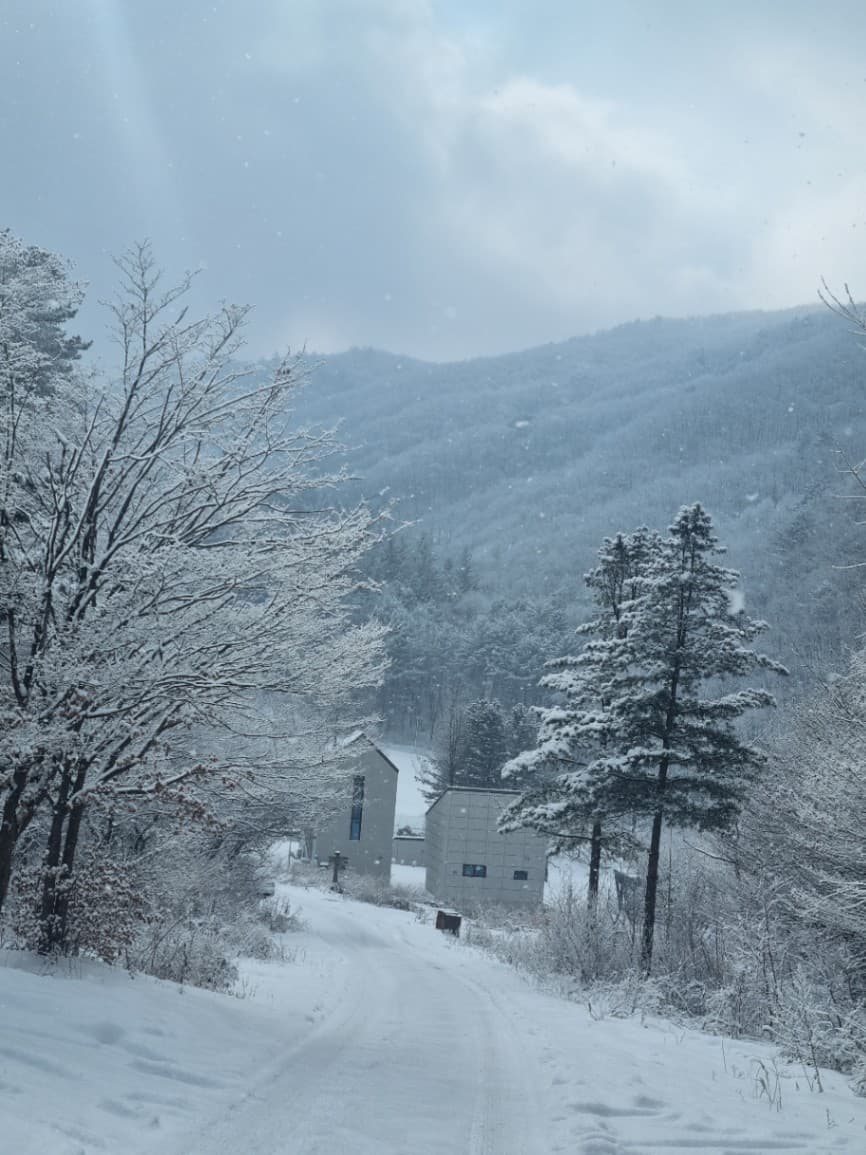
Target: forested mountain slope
x=531, y=459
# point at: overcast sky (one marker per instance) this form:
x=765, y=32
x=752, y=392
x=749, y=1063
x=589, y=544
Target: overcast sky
x=444, y=178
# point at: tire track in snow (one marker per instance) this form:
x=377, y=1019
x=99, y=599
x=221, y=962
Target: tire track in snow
x=415, y=1059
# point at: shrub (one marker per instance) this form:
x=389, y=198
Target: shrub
x=106, y=907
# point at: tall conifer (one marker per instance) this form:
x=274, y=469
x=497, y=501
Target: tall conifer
x=643, y=727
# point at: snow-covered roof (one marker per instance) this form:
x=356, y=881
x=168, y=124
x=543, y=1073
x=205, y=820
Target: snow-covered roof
x=356, y=735
x=472, y=790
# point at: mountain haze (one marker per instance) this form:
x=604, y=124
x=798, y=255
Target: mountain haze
x=531, y=459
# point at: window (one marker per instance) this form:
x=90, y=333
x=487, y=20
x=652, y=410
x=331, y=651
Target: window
x=521, y=875
x=474, y=870
x=357, y=808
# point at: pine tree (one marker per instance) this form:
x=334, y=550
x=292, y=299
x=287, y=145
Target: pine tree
x=564, y=800
x=485, y=746
x=672, y=749
x=522, y=729
x=473, y=743
x=467, y=580
x=638, y=732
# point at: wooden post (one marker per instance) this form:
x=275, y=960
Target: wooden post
x=337, y=860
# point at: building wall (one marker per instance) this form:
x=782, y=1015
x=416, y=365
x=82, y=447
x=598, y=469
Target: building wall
x=461, y=830
x=409, y=850
x=371, y=853
x=436, y=849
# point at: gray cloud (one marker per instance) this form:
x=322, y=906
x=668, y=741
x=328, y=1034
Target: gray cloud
x=441, y=180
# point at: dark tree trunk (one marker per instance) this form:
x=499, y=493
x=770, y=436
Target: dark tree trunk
x=652, y=873
x=60, y=864
x=594, y=865
x=8, y=839
x=61, y=908
x=12, y=826
x=649, y=910
x=652, y=868
x=51, y=869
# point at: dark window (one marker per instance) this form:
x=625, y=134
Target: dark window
x=357, y=808
x=521, y=875
x=474, y=870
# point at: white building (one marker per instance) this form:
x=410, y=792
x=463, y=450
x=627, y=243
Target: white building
x=468, y=860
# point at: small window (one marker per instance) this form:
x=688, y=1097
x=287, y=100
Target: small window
x=357, y=808
x=521, y=875
x=474, y=870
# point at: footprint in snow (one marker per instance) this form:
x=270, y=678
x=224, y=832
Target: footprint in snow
x=649, y=1101
x=176, y=1074
x=608, y=1110
x=106, y=1032
x=600, y=1145
x=112, y=1107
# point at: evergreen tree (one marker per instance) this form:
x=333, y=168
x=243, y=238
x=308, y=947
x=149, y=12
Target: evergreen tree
x=522, y=729
x=642, y=729
x=467, y=580
x=485, y=748
x=473, y=742
x=427, y=583
x=672, y=751
x=562, y=800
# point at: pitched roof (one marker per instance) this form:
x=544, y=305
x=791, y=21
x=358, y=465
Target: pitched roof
x=357, y=735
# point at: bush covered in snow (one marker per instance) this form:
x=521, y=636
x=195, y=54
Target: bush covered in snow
x=179, y=904
x=728, y=957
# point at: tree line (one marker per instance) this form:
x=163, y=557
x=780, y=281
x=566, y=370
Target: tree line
x=452, y=638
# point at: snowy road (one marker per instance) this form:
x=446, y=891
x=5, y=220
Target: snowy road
x=380, y=1035
x=414, y=1056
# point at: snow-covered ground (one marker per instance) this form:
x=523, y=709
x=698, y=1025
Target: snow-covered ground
x=380, y=1036
x=413, y=877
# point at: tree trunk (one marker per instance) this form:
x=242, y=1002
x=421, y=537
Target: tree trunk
x=51, y=869
x=60, y=864
x=7, y=845
x=594, y=865
x=11, y=829
x=8, y=839
x=61, y=909
x=649, y=909
x=652, y=868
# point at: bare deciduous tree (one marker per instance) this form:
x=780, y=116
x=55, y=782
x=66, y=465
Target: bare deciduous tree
x=169, y=564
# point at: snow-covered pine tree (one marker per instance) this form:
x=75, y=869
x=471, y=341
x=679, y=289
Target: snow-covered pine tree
x=485, y=744
x=564, y=799
x=473, y=742
x=522, y=729
x=637, y=731
x=672, y=748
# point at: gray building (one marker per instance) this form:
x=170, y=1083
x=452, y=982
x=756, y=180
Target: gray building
x=469, y=861
x=362, y=825
x=409, y=850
